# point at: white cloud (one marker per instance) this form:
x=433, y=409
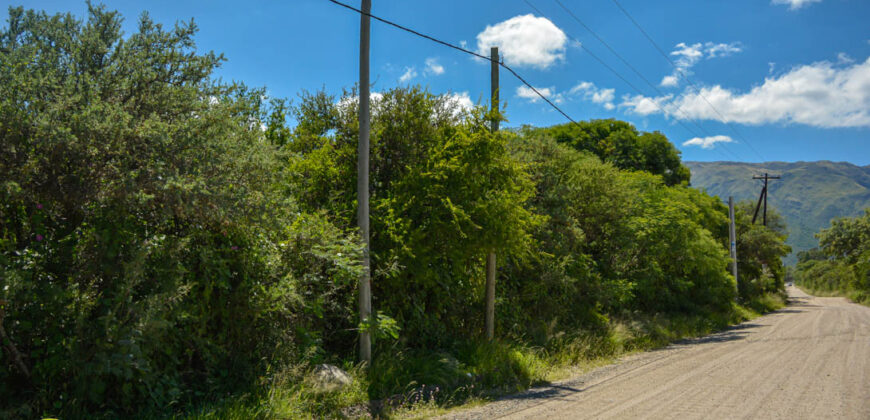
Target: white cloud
x=643, y=105
x=707, y=142
x=590, y=92
x=687, y=55
x=526, y=92
x=524, y=40
x=432, y=66
x=409, y=74
x=461, y=99
x=670, y=81
x=822, y=94
x=844, y=58
x=795, y=4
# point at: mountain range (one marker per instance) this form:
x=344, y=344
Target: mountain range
x=808, y=195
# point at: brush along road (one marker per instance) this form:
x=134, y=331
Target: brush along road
x=810, y=360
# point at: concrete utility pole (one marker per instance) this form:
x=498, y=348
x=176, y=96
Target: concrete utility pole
x=490, y=257
x=732, y=235
x=362, y=183
x=763, y=197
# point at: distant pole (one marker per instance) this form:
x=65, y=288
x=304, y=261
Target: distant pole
x=763, y=197
x=490, y=257
x=732, y=234
x=764, y=216
x=362, y=183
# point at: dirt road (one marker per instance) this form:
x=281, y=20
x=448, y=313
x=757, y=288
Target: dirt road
x=810, y=360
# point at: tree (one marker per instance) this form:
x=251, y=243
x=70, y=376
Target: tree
x=619, y=143
x=444, y=192
x=147, y=252
x=760, y=250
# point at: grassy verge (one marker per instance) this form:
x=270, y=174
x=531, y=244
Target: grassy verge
x=417, y=384
x=860, y=297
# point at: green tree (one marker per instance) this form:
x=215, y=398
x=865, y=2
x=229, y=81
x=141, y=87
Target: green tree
x=147, y=251
x=619, y=143
x=444, y=191
x=760, y=250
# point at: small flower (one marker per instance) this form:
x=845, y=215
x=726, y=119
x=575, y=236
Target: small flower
x=39, y=206
x=234, y=248
x=39, y=237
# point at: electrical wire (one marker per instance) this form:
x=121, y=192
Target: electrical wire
x=621, y=77
x=636, y=72
x=687, y=79
x=456, y=47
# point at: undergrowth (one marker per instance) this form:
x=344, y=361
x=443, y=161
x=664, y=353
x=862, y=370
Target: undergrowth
x=857, y=296
x=417, y=383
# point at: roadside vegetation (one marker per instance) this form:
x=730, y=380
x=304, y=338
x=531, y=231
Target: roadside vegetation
x=171, y=245
x=840, y=266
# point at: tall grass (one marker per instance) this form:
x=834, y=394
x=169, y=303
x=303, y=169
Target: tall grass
x=408, y=383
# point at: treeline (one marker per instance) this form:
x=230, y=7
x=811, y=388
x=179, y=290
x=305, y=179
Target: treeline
x=841, y=263
x=166, y=237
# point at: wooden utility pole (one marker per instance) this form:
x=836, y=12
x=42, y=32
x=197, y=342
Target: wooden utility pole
x=732, y=235
x=490, y=257
x=362, y=182
x=763, y=197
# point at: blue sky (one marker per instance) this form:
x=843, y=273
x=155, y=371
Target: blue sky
x=790, y=77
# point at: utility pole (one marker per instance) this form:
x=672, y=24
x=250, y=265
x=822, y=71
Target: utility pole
x=362, y=182
x=490, y=257
x=732, y=235
x=763, y=197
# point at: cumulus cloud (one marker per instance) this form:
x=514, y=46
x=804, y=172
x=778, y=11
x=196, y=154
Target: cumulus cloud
x=644, y=105
x=822, y=94
x=795, y=4
x=409, y=74
x=590, y=92
x=432, y=67
x=707, y=142
x=461, y=99
x=687, y=55
x=550, y=93
x=525, y=40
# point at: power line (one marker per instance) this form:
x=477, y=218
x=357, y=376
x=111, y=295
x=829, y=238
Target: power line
x=638, y=73
x=620, y=76
x=456, y=47
x=687, y=79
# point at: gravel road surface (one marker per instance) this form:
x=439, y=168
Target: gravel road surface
x=810, y=360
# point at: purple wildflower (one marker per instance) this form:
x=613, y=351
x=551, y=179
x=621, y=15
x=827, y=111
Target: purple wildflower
x=39, y=206
x=39, y=237
x=234, y=248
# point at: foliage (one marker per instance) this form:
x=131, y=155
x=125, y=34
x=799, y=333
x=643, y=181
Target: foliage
x=444, y=192
x=169, y=241
x=760, y=250
x=841, y=264
x=147, y=256
x=619, y=143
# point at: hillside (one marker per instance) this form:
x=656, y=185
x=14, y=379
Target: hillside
x=809, y=194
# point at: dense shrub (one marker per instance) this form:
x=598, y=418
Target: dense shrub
x=168, y=239
x=841, y=264
x=147, y=255
x=620, y=143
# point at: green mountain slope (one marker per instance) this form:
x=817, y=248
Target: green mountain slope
x=809, y=194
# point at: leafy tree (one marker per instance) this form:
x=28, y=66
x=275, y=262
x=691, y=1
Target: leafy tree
x=147, y=252
x=760, y=250
x=619, y=143
x=842, y=262
x=444, y=192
